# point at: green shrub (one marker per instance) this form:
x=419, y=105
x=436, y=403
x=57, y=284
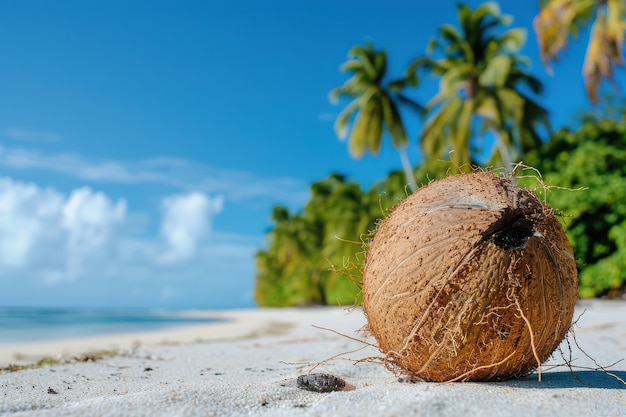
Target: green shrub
x=592, y=157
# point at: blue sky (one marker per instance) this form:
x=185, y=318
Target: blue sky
x=143, y=144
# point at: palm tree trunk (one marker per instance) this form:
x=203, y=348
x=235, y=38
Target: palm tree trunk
x=461, y=156
x=408, y=169
x=504, y=153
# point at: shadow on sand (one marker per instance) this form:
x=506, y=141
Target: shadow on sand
x=575, y=379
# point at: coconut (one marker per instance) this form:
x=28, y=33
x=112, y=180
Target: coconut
x=470, y=278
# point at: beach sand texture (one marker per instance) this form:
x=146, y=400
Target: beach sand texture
x=248, y=366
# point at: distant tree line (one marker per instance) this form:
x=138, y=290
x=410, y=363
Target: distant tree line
x=315, y=256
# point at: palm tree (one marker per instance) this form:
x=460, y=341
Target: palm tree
x=560, y=18
x=374, y=106
x=483, y=81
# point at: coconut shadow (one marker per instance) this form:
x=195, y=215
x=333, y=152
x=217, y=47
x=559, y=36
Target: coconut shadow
x=565, y=379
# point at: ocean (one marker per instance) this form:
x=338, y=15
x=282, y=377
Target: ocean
x=29, y=324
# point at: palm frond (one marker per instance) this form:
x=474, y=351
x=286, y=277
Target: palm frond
x=513, y=40
x=496, y=71
x=342, y=121
x=410, y=103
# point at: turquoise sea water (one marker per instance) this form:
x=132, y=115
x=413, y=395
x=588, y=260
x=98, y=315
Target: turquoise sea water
x=18, y=324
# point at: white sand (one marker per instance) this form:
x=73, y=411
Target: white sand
x=230, y=325
x=249, y=367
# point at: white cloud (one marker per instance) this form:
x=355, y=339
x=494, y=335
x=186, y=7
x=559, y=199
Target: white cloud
x=326, y=117
x=185, y=224
x=179, y=173
x=51, y=234
x=30, y=135
x=28, y=215
x=56, y=245
x=74, y=165
x=51, y=237
x=89, y=219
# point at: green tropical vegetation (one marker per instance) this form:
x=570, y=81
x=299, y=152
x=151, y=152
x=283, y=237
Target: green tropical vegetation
x=591, y=156
x=314, y=256
x=486, y=112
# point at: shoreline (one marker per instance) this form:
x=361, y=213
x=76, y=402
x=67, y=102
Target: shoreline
x=250, y=365
x=228, y=325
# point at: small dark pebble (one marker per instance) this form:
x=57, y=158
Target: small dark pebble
x=51, y=391
x=410, y=379
x=148, y=369
x=321, y=383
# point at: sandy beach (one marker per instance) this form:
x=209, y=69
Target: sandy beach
x=248, y=365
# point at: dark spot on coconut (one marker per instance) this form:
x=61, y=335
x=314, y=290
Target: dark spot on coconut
x=512, y=230
x=320, y=383
x=439, y=336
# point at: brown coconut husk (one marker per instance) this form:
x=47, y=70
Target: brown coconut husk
x=470, y=278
